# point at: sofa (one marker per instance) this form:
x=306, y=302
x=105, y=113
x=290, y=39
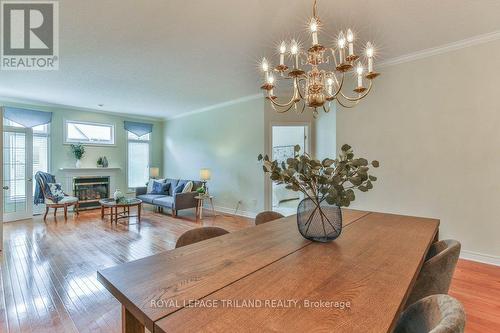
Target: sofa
x=169, y=199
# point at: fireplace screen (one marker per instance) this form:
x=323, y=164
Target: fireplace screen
x=89, y=190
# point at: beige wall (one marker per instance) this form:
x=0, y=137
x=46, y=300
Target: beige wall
x=434, y=125
x=227, y=140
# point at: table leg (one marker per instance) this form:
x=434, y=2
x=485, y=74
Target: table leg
x=130, y=324
x=102, y=212
x=139, y=208
x=212, y=204
x=201, y=209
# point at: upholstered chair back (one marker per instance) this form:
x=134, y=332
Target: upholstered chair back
x=267, y=216
x=198, y=235
x=437, y=271
x=436, y=314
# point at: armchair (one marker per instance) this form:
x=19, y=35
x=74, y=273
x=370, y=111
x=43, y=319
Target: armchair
x=44, y=195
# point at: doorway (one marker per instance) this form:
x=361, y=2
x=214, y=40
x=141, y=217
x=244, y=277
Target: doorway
x=25, y=151
x=284, y=137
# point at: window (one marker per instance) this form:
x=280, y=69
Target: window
x=89, y=133
x=138, y=160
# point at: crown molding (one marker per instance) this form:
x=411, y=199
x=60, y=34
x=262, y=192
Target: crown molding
x=445, y=48
x=217, y=106
x=48, y=106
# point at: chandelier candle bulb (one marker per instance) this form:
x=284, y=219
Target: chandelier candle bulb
x=294, y=50
x=282, y=53
x=369, y=55
x=359, y=70
x=341, y=44
x=314, y=31
x=350, y=40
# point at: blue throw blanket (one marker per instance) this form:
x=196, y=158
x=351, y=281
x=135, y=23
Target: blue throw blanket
x=42, y=179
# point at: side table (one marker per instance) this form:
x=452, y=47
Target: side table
x=199, y=207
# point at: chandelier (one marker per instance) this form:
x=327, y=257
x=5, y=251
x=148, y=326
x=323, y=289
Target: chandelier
x=324, y=79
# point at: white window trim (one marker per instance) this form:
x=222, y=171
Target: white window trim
x=128, y=154
x=66, y=142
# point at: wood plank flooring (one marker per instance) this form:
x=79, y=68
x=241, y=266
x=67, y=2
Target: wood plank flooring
x=48, y=271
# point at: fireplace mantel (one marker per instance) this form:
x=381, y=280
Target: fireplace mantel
x=68, y=173
x=89, y=169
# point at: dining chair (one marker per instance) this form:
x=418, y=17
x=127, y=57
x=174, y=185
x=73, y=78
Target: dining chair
x=267, y=216
x=437, y=271
x=43, y=195
x=436, y=314
x=198, y=235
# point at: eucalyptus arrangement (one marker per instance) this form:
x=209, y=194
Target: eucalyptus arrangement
x=327, y=185
x=78, y=151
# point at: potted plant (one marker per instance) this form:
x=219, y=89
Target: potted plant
x=100, y=163
x=78, y=151
x=327, y=185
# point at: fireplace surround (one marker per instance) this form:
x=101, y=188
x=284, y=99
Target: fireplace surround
x=90, y=189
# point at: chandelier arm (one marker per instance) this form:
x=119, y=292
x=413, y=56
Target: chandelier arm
x=301, y=95
x=340, y=85
x=347, y=106
x=282, y=110
x=290, y=102
x=355, y=99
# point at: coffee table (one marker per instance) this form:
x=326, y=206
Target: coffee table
x=125, y=205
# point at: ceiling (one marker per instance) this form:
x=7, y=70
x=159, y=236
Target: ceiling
x=165, y=58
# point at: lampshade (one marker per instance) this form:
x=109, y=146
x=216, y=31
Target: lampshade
x=154, y=172
x=205, y=174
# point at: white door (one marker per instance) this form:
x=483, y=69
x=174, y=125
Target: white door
x=284, y=138
x=17, y=173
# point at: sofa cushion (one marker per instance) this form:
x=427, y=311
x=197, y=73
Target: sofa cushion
x=150, y=184
x=160, y=188
x=188, y=187
x=173, y=184
x=149, y=197
x=164, y=202
x=180, y=186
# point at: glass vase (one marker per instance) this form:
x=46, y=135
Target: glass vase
x=319, y=222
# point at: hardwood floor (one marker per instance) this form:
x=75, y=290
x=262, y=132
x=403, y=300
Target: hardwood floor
x=48, y=271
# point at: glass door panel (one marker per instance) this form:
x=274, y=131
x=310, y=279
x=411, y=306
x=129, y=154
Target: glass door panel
x=17, y=174
x=284, y=139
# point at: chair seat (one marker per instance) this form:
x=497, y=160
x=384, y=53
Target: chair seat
x=65, y=200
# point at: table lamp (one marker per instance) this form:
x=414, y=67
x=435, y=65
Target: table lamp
x=154, y=172
x=205, y=175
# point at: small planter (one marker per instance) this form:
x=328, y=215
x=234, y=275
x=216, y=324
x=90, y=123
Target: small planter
x=319, y=223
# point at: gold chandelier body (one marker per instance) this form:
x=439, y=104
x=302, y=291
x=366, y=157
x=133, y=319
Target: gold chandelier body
x=317, y=87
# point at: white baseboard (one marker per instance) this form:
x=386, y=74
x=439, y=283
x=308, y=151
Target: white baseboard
x=232, y=212
x=479, y=257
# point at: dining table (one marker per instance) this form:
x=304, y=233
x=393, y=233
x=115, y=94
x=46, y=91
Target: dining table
x=268, y=278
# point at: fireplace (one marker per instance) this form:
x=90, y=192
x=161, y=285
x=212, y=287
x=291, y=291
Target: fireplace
x=89, y=190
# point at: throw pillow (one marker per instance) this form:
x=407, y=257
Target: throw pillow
x=56, y=191
x=179, y=188
x=149, y=189
x=188, y=187
x=160, y=187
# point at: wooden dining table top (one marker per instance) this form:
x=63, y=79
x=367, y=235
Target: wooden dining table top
x=269, y=278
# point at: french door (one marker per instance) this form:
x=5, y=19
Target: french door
x=17, y=173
